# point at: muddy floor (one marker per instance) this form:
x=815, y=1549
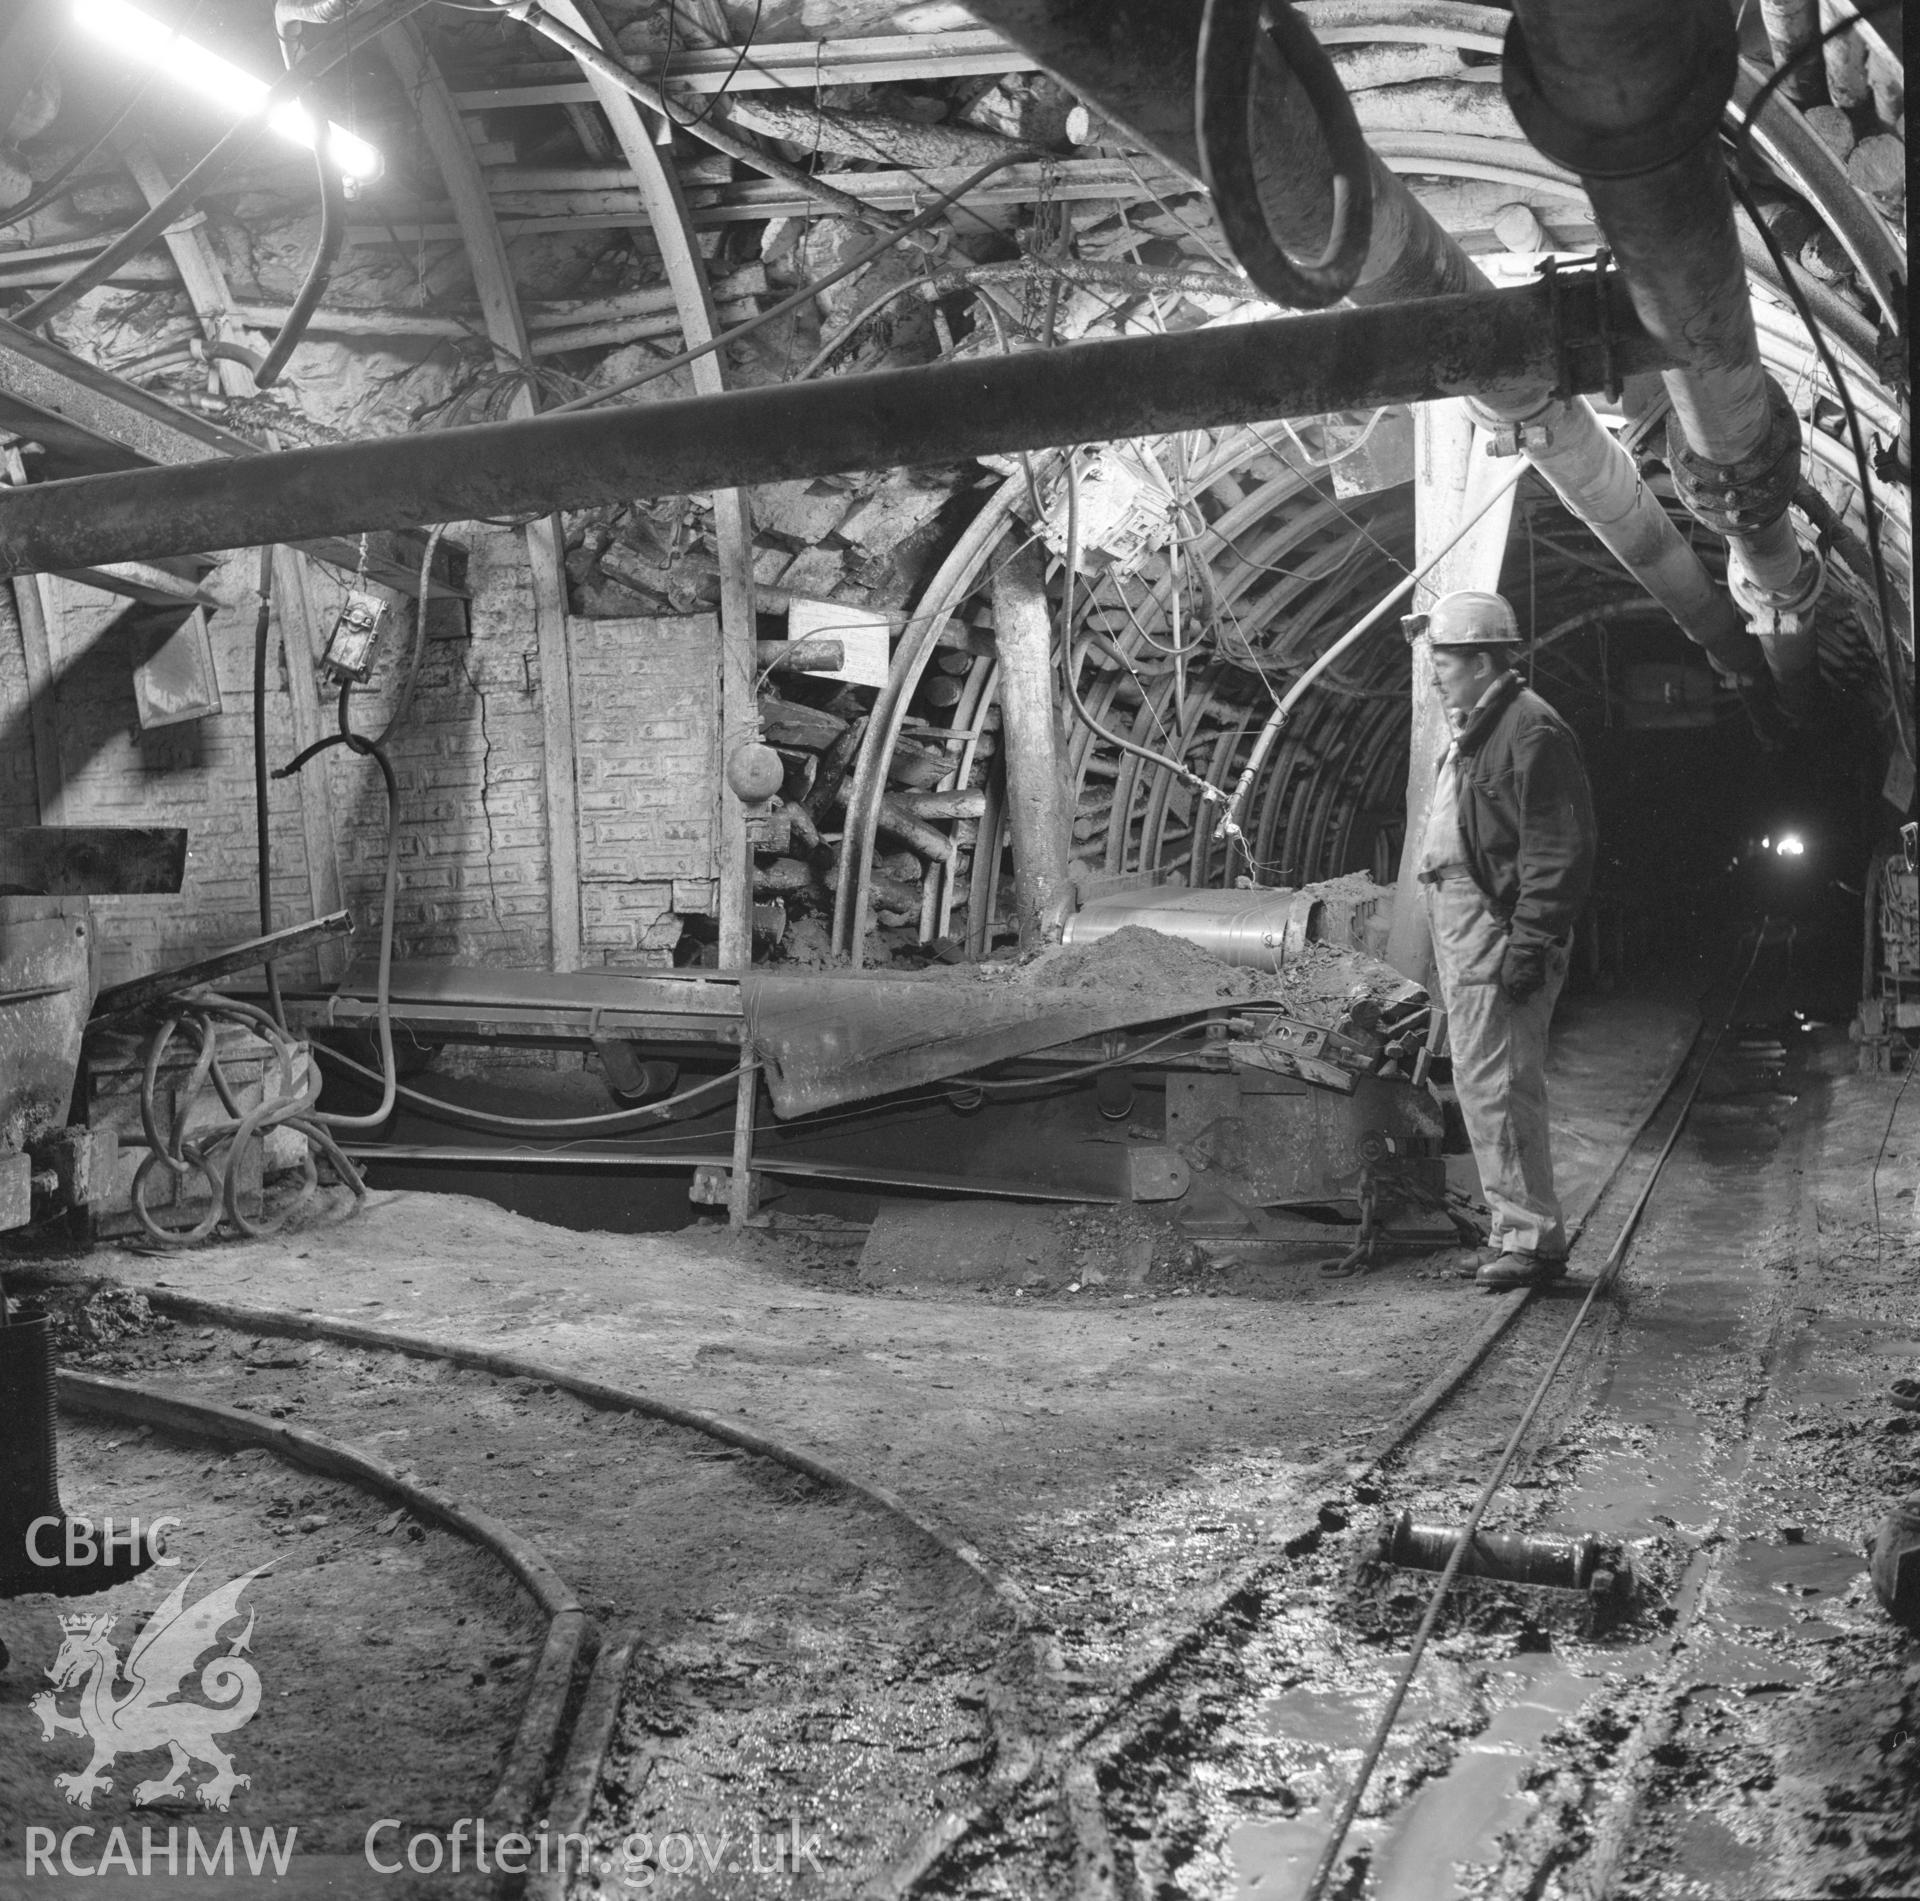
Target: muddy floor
x=1157, y=1441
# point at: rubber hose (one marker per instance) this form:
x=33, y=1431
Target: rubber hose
x=333, y=232
x=263, y=874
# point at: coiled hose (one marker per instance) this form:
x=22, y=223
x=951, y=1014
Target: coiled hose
x=218, y=1150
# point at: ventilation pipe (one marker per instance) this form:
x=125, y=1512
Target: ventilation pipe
x=1630, y=95
x=1121, y=53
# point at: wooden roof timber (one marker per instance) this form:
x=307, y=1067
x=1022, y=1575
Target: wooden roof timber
x=791, y=65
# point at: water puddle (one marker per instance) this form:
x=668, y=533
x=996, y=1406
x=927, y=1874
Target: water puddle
x=1274, y=1861
x=1456, y=1821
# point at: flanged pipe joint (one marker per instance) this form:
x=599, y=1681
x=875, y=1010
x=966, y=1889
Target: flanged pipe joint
x=1775, y=580
x=1631, y=96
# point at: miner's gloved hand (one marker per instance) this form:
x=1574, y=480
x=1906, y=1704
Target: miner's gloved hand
x=1523, y=969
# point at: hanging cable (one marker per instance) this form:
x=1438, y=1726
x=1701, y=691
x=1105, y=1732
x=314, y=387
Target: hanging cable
x=333, y=232
x=55, y=185
x=263, y=866
x=805, y=294
x=595, y=59
x=1278, y=718
x=612, y=1123
x=1310, y=461
x=1799, y=57
x=1184, y=773
x=1843, y=391
x=726, y=85
x=222, y=154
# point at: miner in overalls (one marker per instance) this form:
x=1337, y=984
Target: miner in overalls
x=1505, y=865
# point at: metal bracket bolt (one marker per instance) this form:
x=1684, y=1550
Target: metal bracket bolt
x=1513, y=438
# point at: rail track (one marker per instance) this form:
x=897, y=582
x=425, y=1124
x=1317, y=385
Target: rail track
x=742, y=1645
x=586, y=1613
x=1543, y=1747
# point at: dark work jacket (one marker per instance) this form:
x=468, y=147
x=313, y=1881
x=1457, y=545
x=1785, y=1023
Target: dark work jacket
x=1526, y=812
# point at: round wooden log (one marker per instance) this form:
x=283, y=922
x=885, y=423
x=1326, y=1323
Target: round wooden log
x=834, y=767
x=868, y=136
x=788, y=723
x=802, y=769
x=947, y=805
x=800, y=656
x=783, y=874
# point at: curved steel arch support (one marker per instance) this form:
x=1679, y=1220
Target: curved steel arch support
x=417, y=70
x=672, y=225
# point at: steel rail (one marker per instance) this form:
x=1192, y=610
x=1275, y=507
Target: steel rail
x=1060, y=1756
x=568, y=1625
x=1602, y=1284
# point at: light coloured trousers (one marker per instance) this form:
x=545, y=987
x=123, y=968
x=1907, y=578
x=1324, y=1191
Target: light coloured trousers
x=1499, y=1066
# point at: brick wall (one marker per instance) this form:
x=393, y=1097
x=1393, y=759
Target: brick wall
x=470, y=761
x=646, y=699
x=198, y=774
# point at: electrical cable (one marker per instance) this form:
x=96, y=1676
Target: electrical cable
x=333, y=232
x=726, y=85
x=596, y=60
x=1184, y=773
x=220, y=155
x=1284, y=709
x=610, y=1124
x=263, y=871
x=805, y=294
x=1089, y=1069
x=219, y=1150
x=1602, y=1283
x=1843, y=391
x=1880, y=1155
x=1800, y=55
x=831, y=348
x=1310, y=461
x=55, y=186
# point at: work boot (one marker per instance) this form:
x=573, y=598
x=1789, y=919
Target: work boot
x=1893, y=1561
x=1468, y=1262
x=30, y=1480
x=1520, y=1267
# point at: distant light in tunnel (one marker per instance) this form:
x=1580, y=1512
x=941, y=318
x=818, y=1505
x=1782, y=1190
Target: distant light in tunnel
x=1790, y=846
x=218, y=80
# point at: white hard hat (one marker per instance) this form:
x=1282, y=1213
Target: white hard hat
x=1468, y=617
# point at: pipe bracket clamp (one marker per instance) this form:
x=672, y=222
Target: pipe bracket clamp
x=1691, y=115
x=1780, y=616
x=1737, y=498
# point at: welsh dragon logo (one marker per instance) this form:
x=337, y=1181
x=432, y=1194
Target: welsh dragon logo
x=153, y=1713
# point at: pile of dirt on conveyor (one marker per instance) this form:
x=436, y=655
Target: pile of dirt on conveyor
x=1327, y=979
x=1137, y=961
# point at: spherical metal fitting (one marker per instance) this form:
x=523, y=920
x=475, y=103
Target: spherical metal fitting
x=755, y=772
x=1472, y=617
x=1704, y=84
x=1738, y=498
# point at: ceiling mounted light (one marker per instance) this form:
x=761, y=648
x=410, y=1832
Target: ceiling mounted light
x=219, y=81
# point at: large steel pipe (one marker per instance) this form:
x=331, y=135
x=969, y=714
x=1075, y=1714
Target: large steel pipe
x=1631, y=96
x=1136, y=60
x=1138, y=386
